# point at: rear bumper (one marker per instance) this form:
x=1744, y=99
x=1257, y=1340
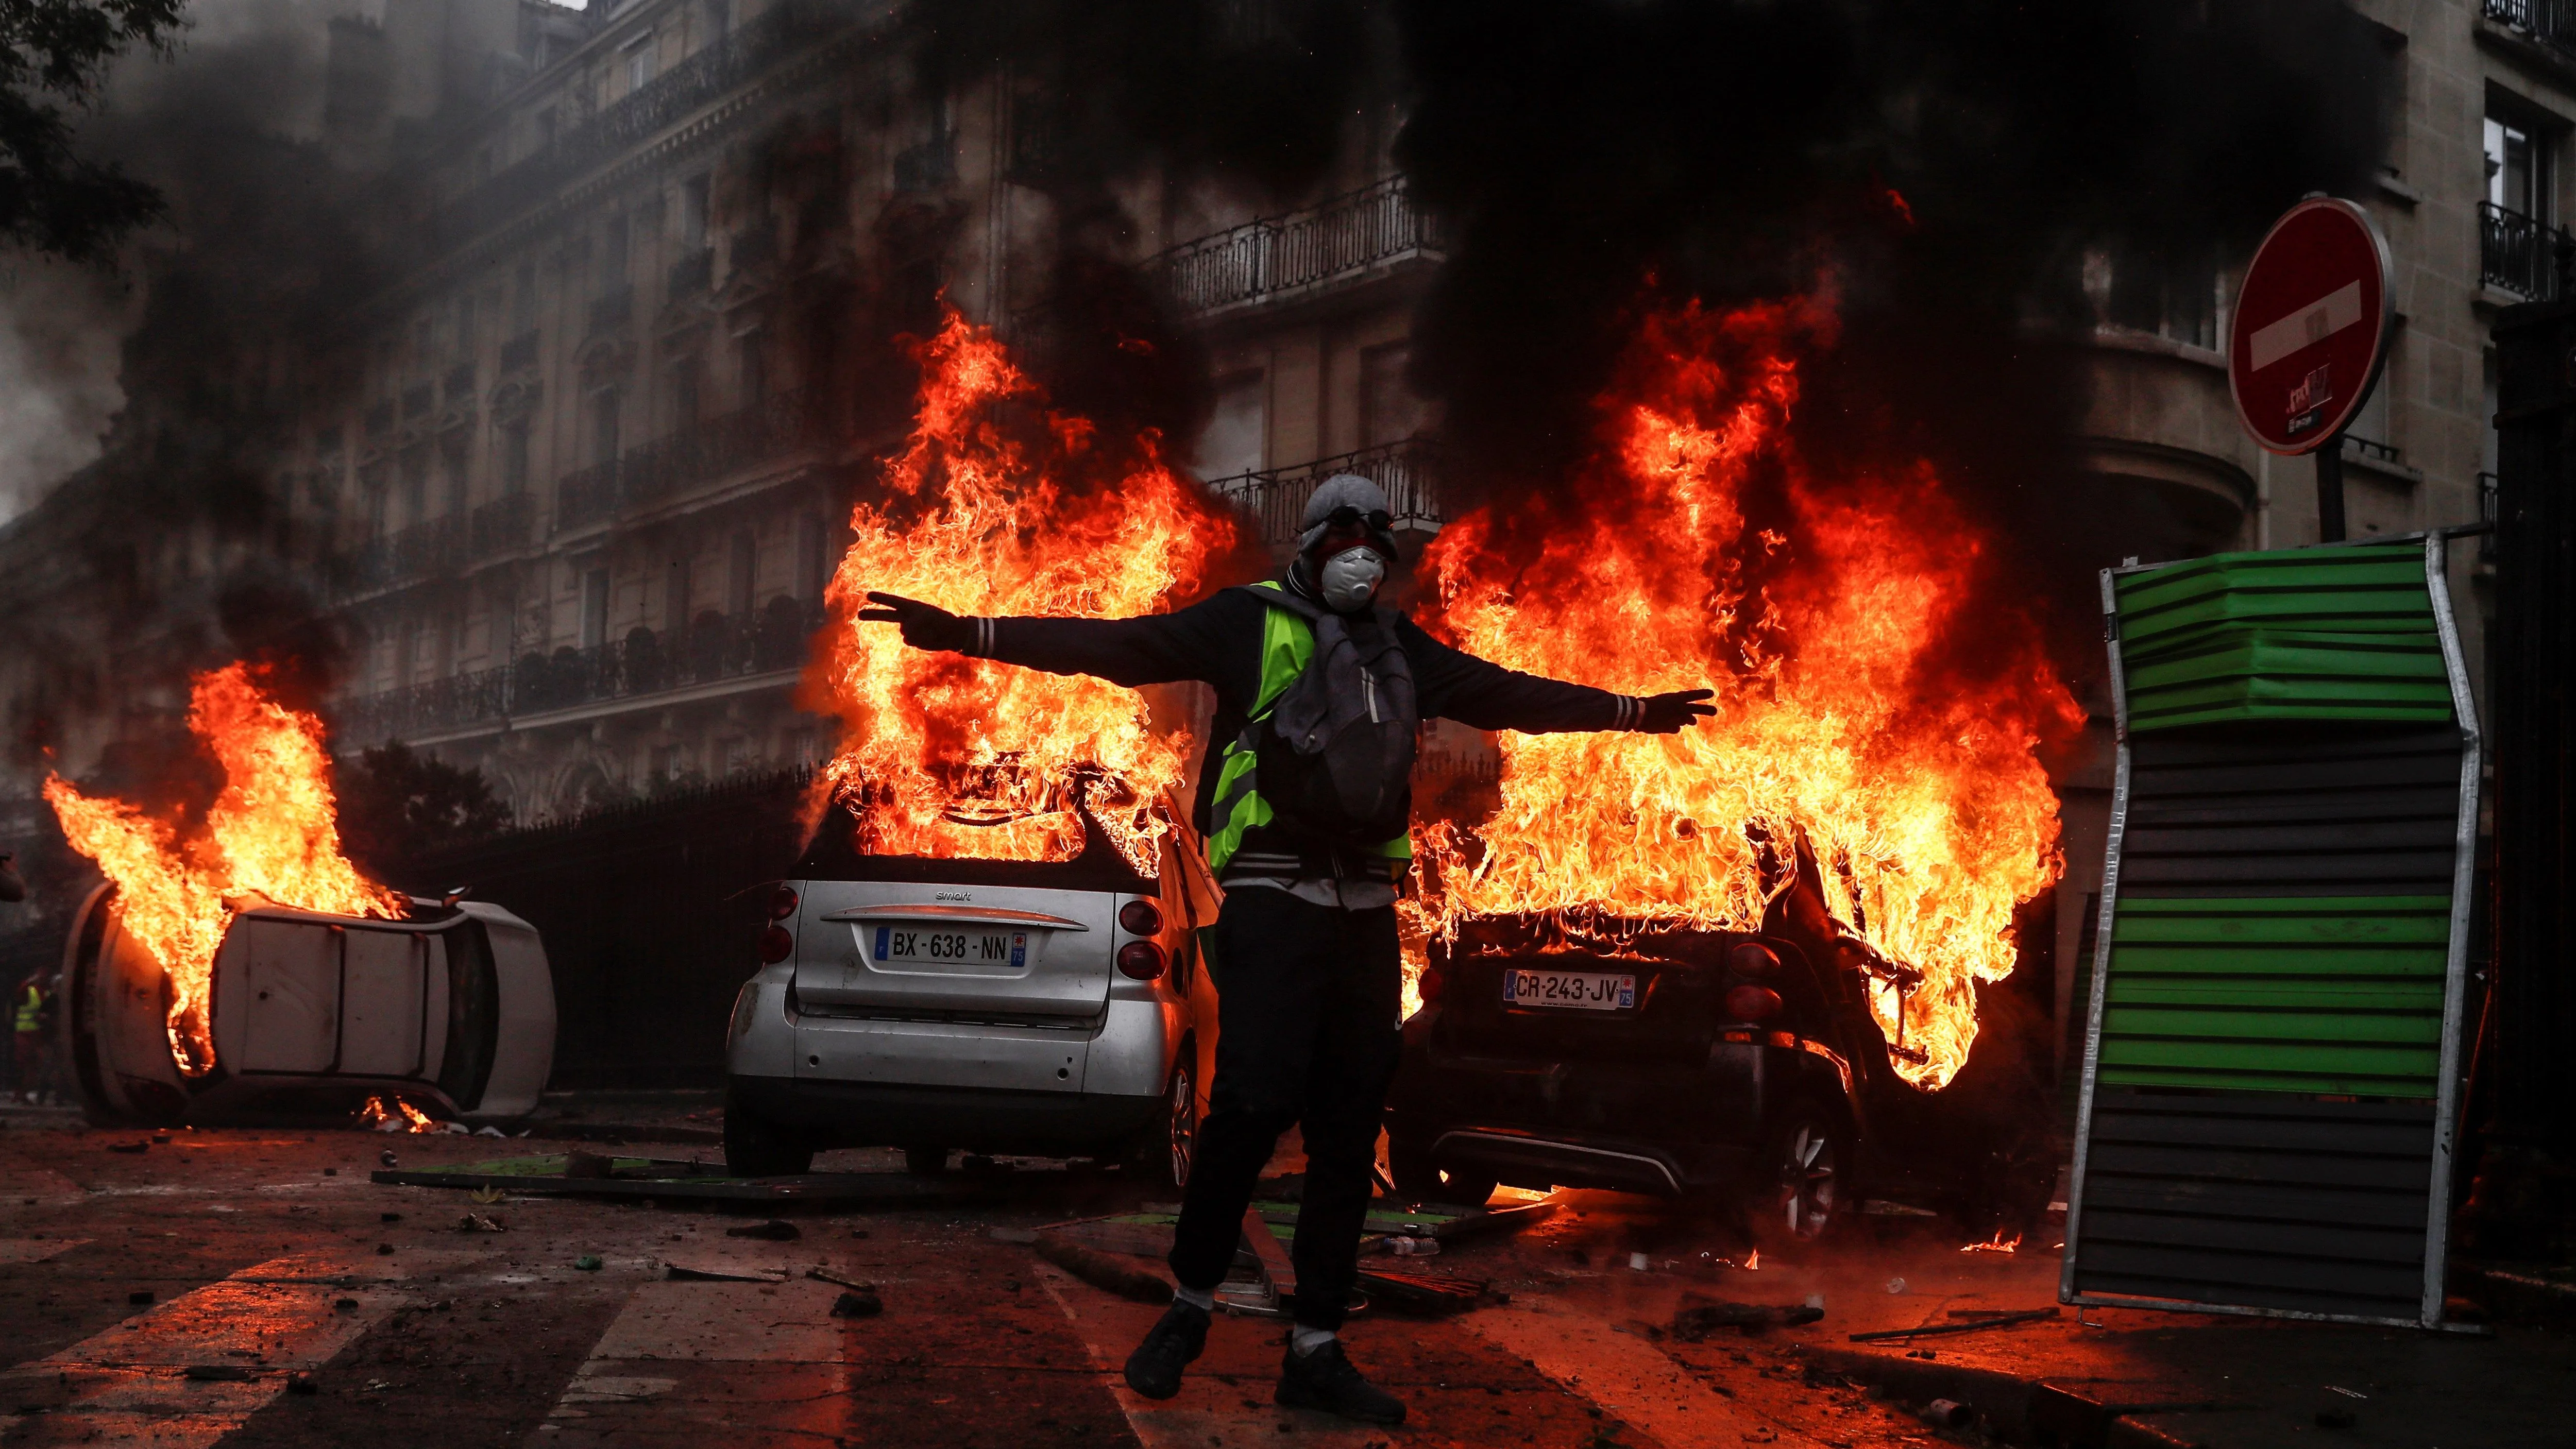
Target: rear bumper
x=978, y=1119
x=1648, y=1127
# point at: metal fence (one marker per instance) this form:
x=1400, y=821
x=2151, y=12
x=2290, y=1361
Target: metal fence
x=2553, y=21
x=1276, y=498
x=716, y=647
x=2518, y=253
x=1370, y=227
x=666, y=465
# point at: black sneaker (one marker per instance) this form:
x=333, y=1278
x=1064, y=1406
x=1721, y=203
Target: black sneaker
x=1177, y=1338
x=1326, y=1380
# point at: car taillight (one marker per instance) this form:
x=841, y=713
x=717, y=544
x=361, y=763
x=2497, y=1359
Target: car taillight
x=1141, y=959
x=782, y=902
x=1433, y=982
x=1752, y=1003
x=1753, y=959
x=776, y=944
x=1140, y=918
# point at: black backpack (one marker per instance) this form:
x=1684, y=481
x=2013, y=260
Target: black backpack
x=1334, y=752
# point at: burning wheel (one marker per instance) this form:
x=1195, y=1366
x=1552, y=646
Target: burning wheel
x=1409, y=1163
x=757, y=1147
x=1799, y=1199
x=1163, y=1151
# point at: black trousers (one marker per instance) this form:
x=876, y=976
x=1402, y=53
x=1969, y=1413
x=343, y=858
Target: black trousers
x=1307, y=998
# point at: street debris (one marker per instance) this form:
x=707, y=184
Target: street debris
x=1424, y=1295
x=388, y=1159
x=721, y=1273
x=138, y=1298
x=1948, y=1414
x=647, y=1179
x=1102, y=1270
x=217, y=1372
x=1700, y=1317
x=477, y=1223
x=302, y=1382
x=776, y=1230
x=1404, y=1247
x=1982, y=1321
x=587, y=1263
x=858, y=1303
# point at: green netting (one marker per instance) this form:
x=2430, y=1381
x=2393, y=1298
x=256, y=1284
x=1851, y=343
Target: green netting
x=2326, y=994
x=2306, y=634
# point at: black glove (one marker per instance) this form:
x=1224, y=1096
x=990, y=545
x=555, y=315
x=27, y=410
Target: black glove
x=925, y=626
x=1674, y=712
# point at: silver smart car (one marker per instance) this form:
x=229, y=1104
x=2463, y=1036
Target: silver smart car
x=1043, y=1009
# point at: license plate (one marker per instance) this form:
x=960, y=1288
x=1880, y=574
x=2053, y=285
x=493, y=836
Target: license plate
x=1579, y=990
x=931, y=946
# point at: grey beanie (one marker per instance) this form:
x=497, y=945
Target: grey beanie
x=1344, y=490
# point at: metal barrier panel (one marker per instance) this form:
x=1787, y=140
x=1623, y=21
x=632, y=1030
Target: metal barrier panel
x=2271, y=1055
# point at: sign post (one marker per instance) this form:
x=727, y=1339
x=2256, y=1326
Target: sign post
x=2309, y=336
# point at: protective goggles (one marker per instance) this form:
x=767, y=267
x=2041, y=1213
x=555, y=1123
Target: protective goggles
x=1376, y=520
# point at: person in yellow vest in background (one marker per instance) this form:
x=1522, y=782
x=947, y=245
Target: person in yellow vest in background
x=1320, y=699
x=33, y=1018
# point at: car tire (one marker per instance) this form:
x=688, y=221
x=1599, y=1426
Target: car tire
x=754, y=1146
x=1161, y=1154
x=1408, y=1161
x=925, y=1161
x=1796, y=1192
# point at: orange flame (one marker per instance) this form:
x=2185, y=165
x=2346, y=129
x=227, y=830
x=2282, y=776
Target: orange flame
x=950, y=756
x=1700, y=550
x=401, y=1117
x=272, y=833
x=1996, y=1244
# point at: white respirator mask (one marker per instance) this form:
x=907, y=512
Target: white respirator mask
x=1350, y=578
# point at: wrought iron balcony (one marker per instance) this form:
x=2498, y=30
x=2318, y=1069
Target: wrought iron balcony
x=2550, y=21
x=419, y=401
x=645, y=662
x=1275, y=499
x=611, y=309
x=2517, y=253
x=500, y=525
x=753, y=246
x=788, y=29
x=671, y=464
x=1349, y=236
x=459, y=386
x=690, y=275
x=519, y=354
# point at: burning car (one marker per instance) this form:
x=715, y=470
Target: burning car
x=449, y=1009
x=236, y=964
x=1037, y=1008
x=1734, y=1066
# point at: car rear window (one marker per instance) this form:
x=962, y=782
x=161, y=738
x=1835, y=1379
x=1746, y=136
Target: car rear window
x=834, y=854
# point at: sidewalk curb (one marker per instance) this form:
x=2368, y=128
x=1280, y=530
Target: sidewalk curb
x=2002, y=1399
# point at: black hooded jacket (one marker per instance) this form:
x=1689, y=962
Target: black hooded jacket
x=1218, y=641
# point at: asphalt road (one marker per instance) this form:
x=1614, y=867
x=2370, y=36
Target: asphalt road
x=268, y=1255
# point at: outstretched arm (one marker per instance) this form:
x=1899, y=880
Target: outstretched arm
x=1152, y=649
x=1458, y=685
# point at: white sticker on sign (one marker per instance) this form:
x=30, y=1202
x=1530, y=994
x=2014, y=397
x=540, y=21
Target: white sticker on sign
x=2307, y=325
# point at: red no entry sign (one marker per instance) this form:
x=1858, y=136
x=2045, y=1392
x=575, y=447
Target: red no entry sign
x=2311, y=325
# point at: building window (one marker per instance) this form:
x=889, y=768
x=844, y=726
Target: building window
x=739, y=565
x=514, y=457
x=2517, y=168
x=1389, y=412
x=451, y=469
x=675, y=599
x=693, y=212
x=2169, y=293
x=1237, y=433
x=612, y=255
x=415, y=484
x=523, y=298
x=603, y=425
x=687, y=391
x=639, y=63
x=754, y=363
x=594, y=608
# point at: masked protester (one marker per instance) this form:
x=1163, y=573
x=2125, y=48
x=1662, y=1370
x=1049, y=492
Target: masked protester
x=1320, y=696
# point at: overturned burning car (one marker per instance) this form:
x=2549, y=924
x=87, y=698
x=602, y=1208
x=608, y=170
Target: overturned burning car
x=450, y=1009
